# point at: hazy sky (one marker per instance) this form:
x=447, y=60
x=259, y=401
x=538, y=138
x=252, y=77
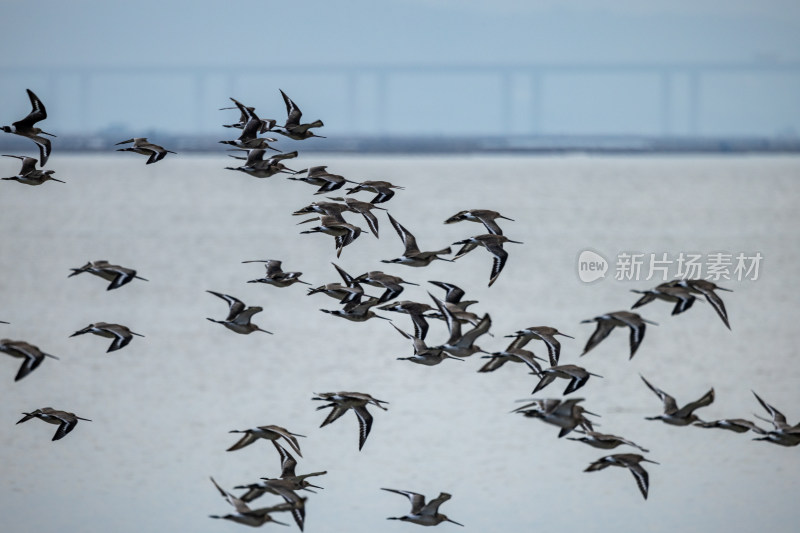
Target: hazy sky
x=261, y=34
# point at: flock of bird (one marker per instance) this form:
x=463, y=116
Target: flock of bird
x=465, y=327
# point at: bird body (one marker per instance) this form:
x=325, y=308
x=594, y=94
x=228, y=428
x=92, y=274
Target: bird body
x=66, y=421
x=26, y=127
x=122, y=335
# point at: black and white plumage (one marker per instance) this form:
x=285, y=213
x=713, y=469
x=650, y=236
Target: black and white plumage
x=117, y=275
x=341, y=402
x=607, y=322
x=275, y=275
x=66, y=421
x=256, y=166
x=423, y=354
x=244, y=514
x=384, y=191
x=486, y=217
x=680, y=296
x=631, y=461
x=292, y=128
x=674, y=415
x=707, y=289
x=31, y=355
x=239, y=315
x=416, y=311
x=424, y=514
x=270, y=432
x=26, y=127
x=140, y=145
x=577, y=376
x=393, y=285
x=493, y=244
x=122, y=335
x=412, y=256
x=29, y=174
x=545, y=334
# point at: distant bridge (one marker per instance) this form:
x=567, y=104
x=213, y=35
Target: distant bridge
x=511, y=99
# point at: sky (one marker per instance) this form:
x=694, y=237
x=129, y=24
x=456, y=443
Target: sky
x=255, y=37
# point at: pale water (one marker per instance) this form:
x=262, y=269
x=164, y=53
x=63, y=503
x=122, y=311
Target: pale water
x=162, y=407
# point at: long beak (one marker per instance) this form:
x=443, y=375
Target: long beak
x=124, y=142
x=453, y=521
x=45, y=133
x=516, y=242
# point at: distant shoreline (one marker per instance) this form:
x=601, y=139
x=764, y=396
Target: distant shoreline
x=353, y=144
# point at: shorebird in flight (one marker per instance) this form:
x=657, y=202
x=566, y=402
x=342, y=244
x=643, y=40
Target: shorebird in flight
x=270, y=432
x=461, y=344
x=66, y=421
x=631, y=461
x=423, y=354
x=256, y=166
x=153, y=152
x=341, y=402
x=26, y=127
x=347, y=293
x=412, y=256
x=117, y=275
x=512, y=354
x=343, y=232
x=707, y=288
x=546, y=334
x=357, y=310
x=288, y=479
x=31, y=354
x=362, y=208
x=292, y=127
x=320, y=177
x=275, y=275
x=393, y=285
x=577, y=375
x=29, y=175
x=416, y=311
x=607, y=322
x=484, y=216
x=680, y=296
x=566, y=414
x=247, y=113
x=493, y=244
x=603, y=440
x=674, y=415
x=122, y=335
x=239, y=315
x=424, y=514
x=383, y=190
x=783, y=433
x=244, y=514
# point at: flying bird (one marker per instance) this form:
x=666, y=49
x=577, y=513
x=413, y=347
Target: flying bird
x=678, y=416
x=292, y=128
x=424, y=514
x=239, y=315
x=122, y=335
x=26, y=127
x=607, y=322
x=493, y=244
x=140, y=145
x=66, y=421
x=631, y=461
x=341, y=402
x=117, y=275
x=29, y=174
x=32, y=356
